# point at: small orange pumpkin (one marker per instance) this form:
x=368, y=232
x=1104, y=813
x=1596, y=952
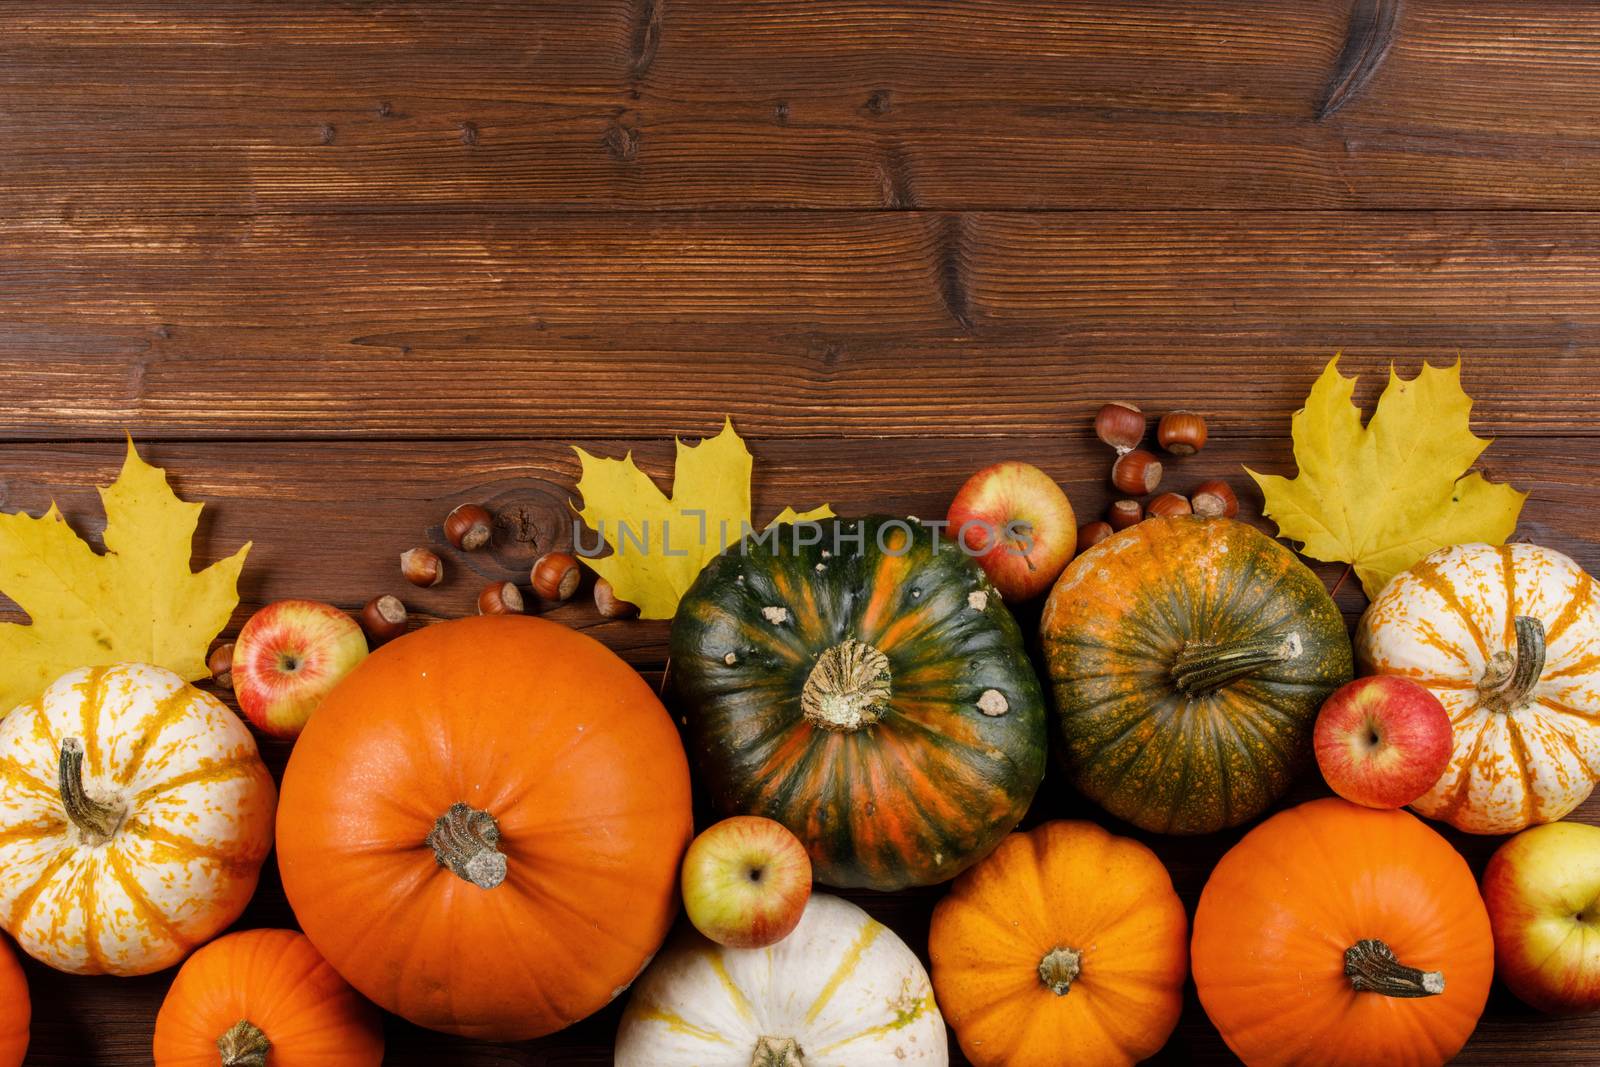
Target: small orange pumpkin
x=1065, y=945
x=265, y=997
x=15, y=1009
x=1340, y=936
x=482, y=824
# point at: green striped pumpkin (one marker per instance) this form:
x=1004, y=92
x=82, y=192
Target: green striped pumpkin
x=1188, y=658
x=876, y=701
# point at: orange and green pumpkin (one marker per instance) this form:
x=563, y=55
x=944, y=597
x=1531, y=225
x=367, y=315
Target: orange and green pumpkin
x=1188, y=658
x=860, y=682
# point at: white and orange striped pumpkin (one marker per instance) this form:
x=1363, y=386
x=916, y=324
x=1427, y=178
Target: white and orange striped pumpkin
x=841, y=990
x=1508, y=638
x=135, y=814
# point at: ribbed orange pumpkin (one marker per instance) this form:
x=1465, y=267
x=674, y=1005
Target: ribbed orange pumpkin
x=1340, y=936
x=1065, y=945
x=15, y=1009
x=265, y=998
x=481, y=826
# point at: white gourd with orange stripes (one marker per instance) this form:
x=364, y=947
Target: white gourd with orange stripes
x=1508, y=638
x=840, y=991
x=135, y=814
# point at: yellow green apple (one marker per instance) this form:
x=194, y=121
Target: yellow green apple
x=1542, y=889
x=746, y=881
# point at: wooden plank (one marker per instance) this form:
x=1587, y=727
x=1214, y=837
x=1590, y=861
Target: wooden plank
x=800, y=324
x=330, y=518
x=692, y=104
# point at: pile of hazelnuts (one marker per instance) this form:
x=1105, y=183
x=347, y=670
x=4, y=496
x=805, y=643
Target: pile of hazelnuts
x=470, y=527
x=1137, y=472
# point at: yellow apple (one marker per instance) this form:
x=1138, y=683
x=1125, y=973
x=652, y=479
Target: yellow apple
x=1542, y=889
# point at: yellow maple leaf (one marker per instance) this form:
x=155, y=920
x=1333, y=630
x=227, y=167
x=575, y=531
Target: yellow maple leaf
x=136, y=602
x=658, y=543
x=1382, y=497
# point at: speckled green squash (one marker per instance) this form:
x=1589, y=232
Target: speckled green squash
x=1188, y=659
x=876, y=700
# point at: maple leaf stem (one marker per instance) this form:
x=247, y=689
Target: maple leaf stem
x=1349, y=569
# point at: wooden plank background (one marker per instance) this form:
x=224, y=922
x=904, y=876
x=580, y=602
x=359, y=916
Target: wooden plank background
x=341, y=266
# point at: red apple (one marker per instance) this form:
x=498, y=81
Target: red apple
x=746, y=881
x=1018, y=524
x=288, y=657
x=1542, y=889
x=1382, y=741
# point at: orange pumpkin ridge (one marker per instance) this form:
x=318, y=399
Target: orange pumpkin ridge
x=15, y=1009
x=481, y=826
x=1334, y=935
x=265, y=998
x=1065, y=945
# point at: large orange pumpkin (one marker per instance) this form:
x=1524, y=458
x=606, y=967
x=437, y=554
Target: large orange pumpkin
x=481, y=827
x=1065, y=944
x=1343, y=936
x=15, y=1009
x=265, y=998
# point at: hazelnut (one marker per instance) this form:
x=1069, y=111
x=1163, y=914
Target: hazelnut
x=1169, y=504
x=556, y=575
x=1215, y=498
x=1183, y=433
x=220, y=664
x=500, y=598
x=1092, y=533
x=421, y=566
x=608, y=603
x=1120, y=425
x=1124, y=513
x=384, y=618
x=1136, y=473
x=469, y=527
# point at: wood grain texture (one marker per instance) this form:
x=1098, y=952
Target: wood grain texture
x=330, y=519
x=343, y=265
x=807, y=324
x=243, y=108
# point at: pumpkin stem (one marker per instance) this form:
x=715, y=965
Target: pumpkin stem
x=777, y=1052
x=464, y=840
x=96, y=820
x=848, y=687
x=1058, y=968
x=1371, y=966
x=244, y=1045
x=1511, y=675
x=1201, y=668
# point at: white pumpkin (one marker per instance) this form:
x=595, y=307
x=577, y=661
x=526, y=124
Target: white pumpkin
x=135, y=814
x=840, y=991
x=1508, y=638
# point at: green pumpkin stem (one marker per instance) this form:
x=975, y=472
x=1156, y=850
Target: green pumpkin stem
x=777, y=1052
x=96, y=820
x=1372, y=967
x=1201, y=668
x=1058, y=969
x=848, y=687
x=465, y=841
x=1510, y=677
x=244, y=1045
